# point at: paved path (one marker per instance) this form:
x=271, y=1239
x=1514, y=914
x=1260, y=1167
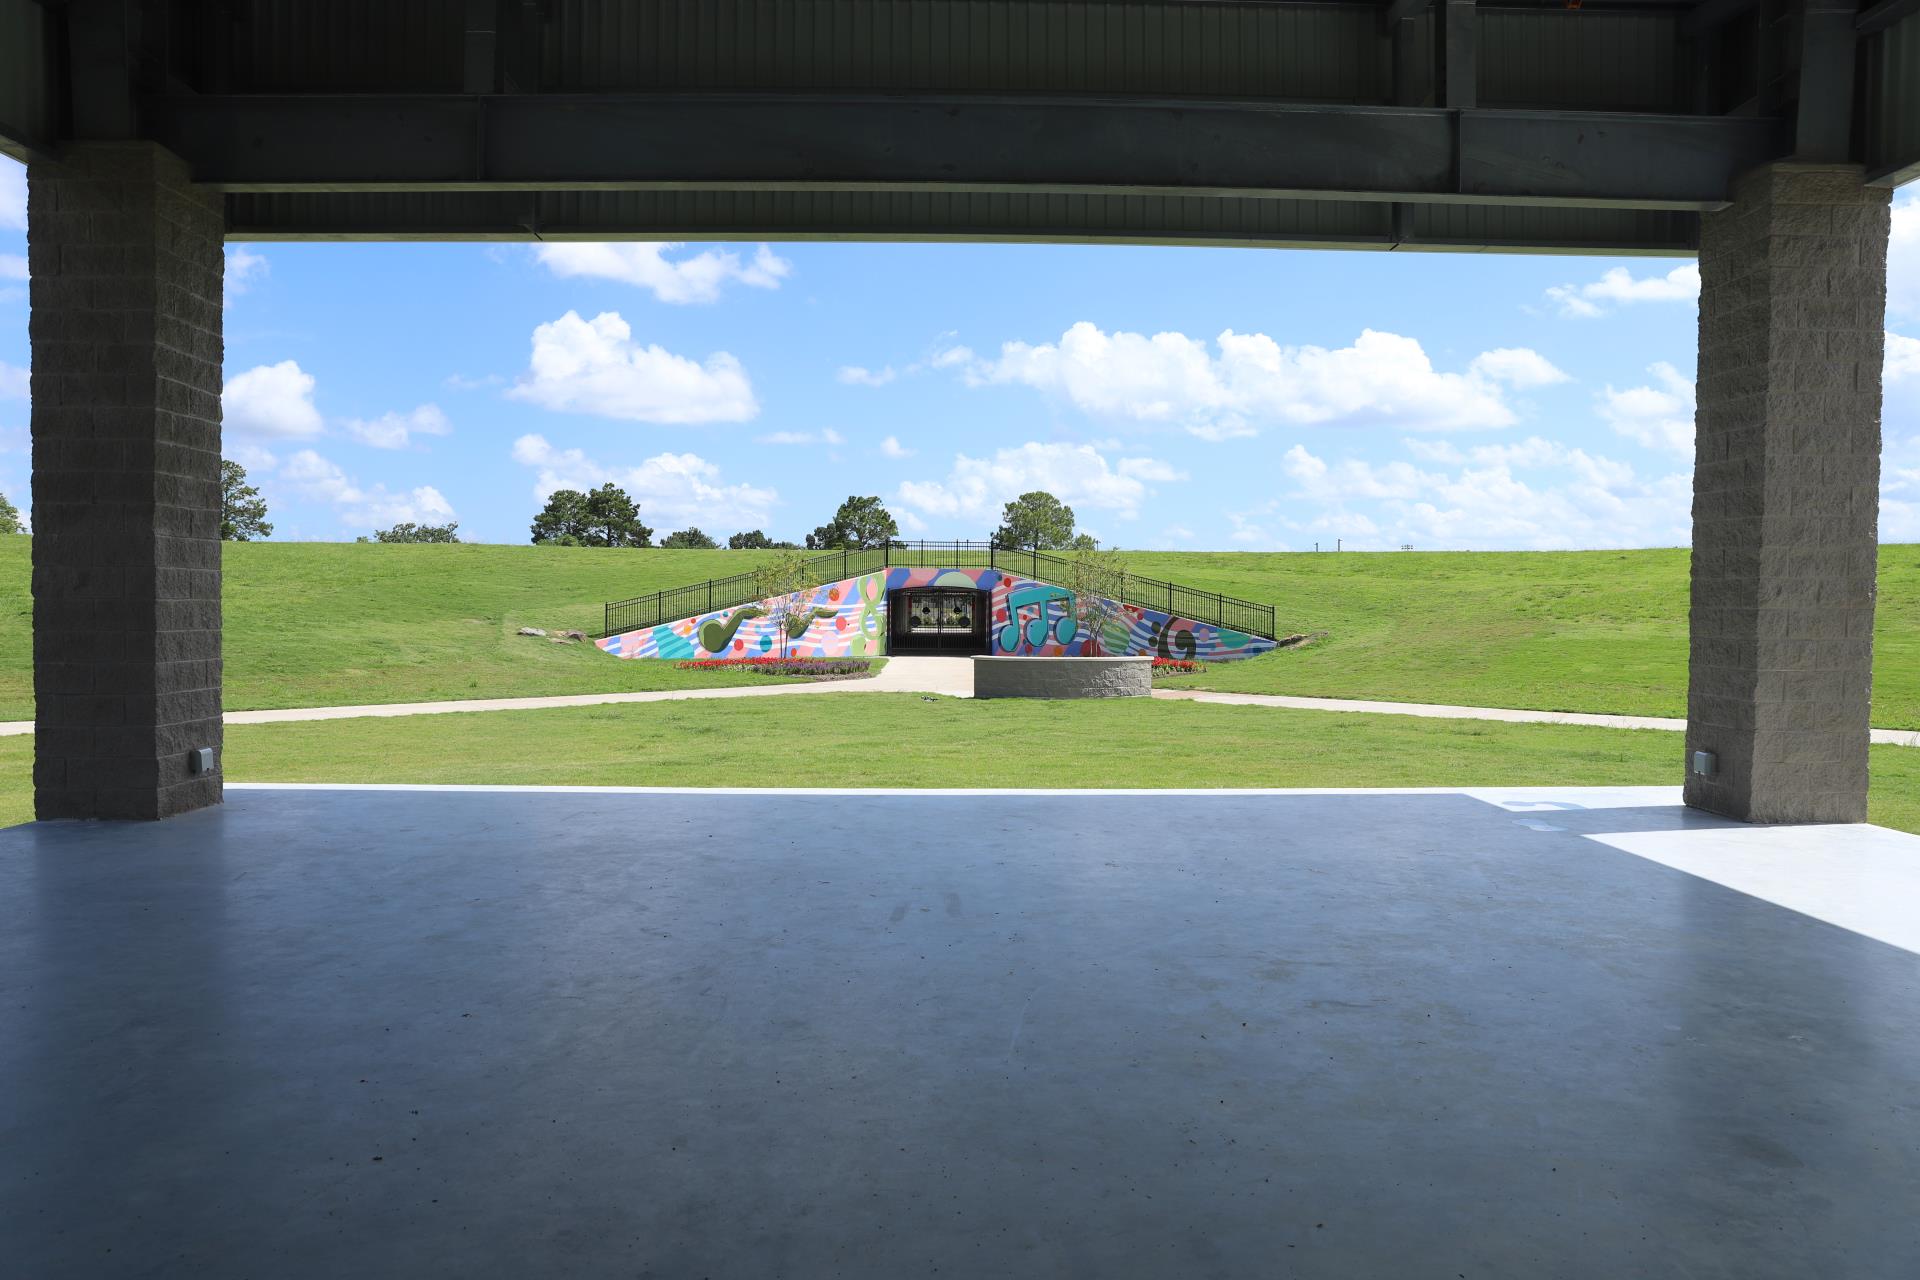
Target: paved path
x=1897, y=737
x=953, y=677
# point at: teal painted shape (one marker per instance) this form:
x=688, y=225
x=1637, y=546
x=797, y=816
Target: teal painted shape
x=670, y=645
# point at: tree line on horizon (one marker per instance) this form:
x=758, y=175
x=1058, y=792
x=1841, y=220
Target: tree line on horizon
x=609, y=517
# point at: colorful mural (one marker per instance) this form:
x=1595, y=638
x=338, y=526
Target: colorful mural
x=848, y=619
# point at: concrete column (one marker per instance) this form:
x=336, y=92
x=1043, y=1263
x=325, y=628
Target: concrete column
x=127, y=269
x=1786, y=495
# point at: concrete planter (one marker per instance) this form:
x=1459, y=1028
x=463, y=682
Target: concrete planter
x=1003, y=677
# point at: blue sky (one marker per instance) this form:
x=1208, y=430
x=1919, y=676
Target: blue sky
x=1180, y=398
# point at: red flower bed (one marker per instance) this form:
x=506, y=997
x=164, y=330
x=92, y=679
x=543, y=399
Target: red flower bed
x=1177, y=666
x=782, y=666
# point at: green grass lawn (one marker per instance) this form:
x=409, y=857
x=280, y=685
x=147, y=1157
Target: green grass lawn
x=1602, y=631
x=313, y=624
x=904, y=740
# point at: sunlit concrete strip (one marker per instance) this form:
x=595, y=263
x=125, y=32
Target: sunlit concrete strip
x=1442, y=711
x=953, y=677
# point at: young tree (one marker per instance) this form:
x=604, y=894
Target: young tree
x=782, y=581
x=1083, y=542
x=407, y=531
x=860, y=523
x=1035, y=521
x=243, y=512
x=752, y=540
x=9, y=516
x=689, y=540
x=613, y=519
x=563, y=521
x=1098, y=580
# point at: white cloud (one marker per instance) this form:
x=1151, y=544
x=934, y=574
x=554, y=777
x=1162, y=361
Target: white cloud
x=14, y=382
x=1903, y=259
x=1173, y=379
x=13, y=194
x=595, y=367
x=977, y=488
x=1567, y=498
x=243, y=268
x=1177, y=533
x=1903, y=359
x=396, y=430
x=272, y=400
x=1618, y=287
x=460, y=382
x=13, y=266
x=251, y=456
x=828, y=436
x=856, y=376
x=700, y=278
x=314, y=477
x=892, y=448
x=672, y=489
x=1658, y=416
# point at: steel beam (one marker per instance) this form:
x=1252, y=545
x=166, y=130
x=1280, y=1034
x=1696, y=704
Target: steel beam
x=1885, y=14
x=1713, y=13
x=951, y=143
x=1823, y=123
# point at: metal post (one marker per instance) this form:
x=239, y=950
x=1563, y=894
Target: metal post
x=709, y=595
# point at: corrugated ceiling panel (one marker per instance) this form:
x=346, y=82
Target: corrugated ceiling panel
x=1305, y=52
x=1596, y=60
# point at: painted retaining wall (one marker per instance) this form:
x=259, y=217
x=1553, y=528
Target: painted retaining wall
x=848, y=618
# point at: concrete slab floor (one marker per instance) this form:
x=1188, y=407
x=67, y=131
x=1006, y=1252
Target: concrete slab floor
x=429, y=1033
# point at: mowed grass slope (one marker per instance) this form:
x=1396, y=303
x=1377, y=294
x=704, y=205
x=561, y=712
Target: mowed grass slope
x=1601, y=631
x=315, y=624
x=326, y=624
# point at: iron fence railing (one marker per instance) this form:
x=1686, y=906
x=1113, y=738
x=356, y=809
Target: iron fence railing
x=721, y=593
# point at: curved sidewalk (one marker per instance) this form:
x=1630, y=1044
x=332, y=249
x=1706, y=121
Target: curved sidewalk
x=953, y=678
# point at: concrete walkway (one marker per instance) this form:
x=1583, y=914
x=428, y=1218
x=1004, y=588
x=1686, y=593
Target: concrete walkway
x=1440, y=711
x=953, y=678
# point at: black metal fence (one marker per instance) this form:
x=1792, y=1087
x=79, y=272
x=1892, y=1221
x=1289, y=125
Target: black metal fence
x=827, y=566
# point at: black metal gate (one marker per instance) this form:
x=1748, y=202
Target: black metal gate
x=938, y=620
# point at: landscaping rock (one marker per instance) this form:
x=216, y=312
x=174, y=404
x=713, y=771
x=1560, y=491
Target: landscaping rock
x=531, y=631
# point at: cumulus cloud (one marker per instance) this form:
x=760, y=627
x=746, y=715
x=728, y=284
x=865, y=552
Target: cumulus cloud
x=14, y=382
x=1246, y=380
x=244, y=267
x=319, y=479
x=272, y=400
x=828, y=436
x=1659, y=416
x=595, y=367
x=1079, y=475
x=251, y=456
x=13, y=266
x=892, y=448
x=1618, y=287
x=1535, y=493
x=1903, y=359
x=699, y=278
x=13, y=194
x=671, y=488
x=1903, y=260
x=856, y=376
x=396, y=430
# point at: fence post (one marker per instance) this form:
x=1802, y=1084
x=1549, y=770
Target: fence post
x=709, y=595
x=843, y=562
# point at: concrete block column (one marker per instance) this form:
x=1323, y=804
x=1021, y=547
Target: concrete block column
x=127, y=265
x=1786, y=495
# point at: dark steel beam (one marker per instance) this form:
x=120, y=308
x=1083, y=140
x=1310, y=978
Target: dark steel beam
x=947, y=143
x=1460, y=54
x=1713, y=13
x=1823, y=118
x=1401, y=10
x=30, y=82
x=1885, y=14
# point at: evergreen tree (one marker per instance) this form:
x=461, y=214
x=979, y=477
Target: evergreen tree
x=243, y=512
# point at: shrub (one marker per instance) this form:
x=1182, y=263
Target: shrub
x=776, y=666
